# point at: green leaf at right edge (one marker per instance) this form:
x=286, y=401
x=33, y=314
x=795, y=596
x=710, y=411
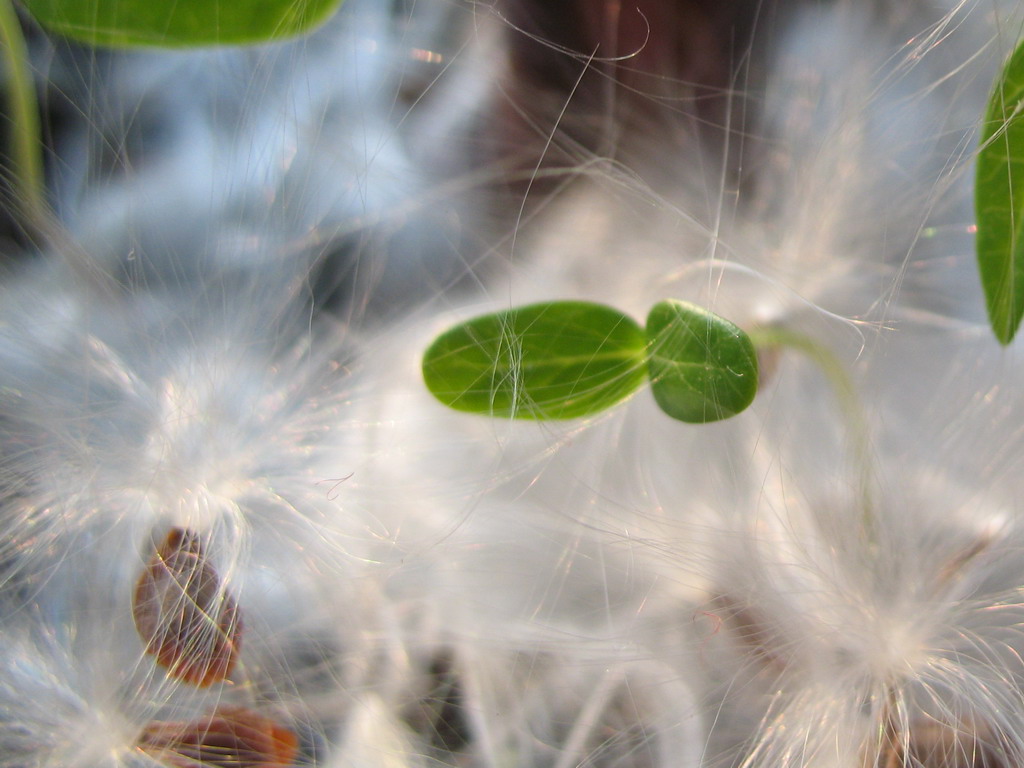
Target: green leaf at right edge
x=999, y=201
x=180, y=23
x=702, y=367
x=555, y=360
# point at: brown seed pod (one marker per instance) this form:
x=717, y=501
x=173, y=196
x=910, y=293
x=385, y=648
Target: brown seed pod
x=232, y=737
x=183, y=613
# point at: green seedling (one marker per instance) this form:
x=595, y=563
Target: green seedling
x=568, y=359
x=999, y=201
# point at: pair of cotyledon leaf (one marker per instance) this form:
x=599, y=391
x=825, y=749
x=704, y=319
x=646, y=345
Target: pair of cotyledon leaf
x=549, y=361
x=567, y=359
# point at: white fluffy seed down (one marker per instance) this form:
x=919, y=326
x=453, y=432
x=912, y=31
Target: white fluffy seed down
x=257, y=245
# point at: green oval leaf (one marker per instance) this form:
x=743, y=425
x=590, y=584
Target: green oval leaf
x=181, y=23
x=999, y=201
x=556, y=360
x=702, y=367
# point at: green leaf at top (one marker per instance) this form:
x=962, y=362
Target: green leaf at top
x=702, y=367
x=180, y=23
x=556, y=360
x=999, y=201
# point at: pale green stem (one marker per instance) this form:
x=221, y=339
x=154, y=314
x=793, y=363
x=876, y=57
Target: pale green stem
x=849, y=404
x=26, y=137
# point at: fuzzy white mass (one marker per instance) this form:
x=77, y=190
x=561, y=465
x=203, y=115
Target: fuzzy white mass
x=221, y=345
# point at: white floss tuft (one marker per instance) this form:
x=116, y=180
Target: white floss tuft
x=239, y=530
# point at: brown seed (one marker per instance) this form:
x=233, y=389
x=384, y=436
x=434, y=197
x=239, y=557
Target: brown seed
x=183, y=613
x=232, y=737
x=939, y=745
